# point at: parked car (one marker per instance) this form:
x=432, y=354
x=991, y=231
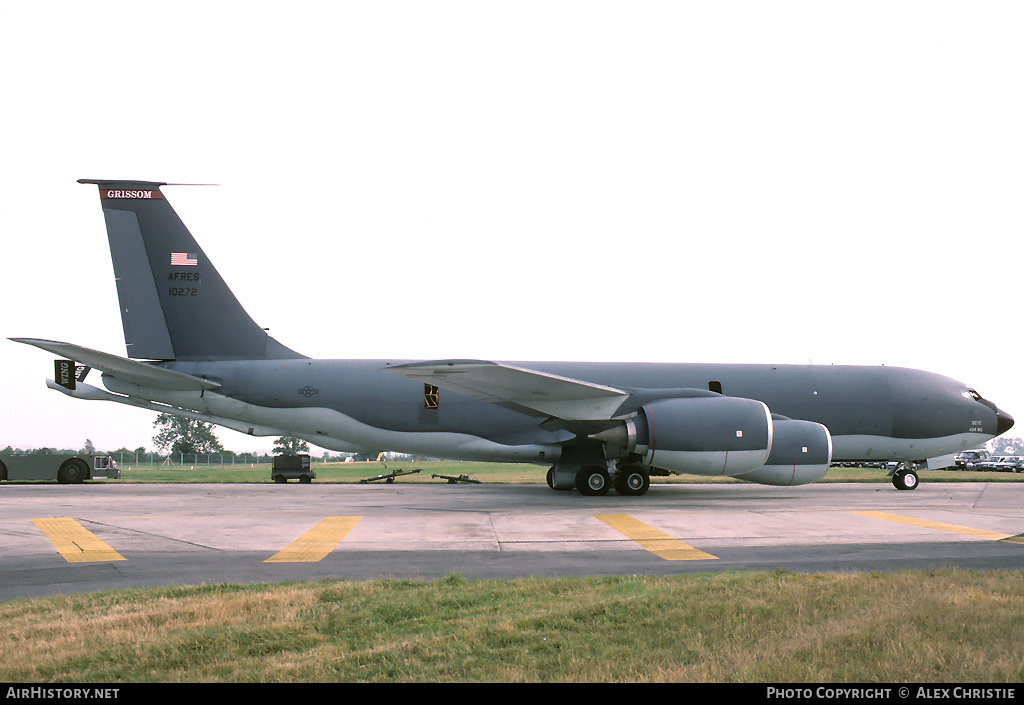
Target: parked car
x=1016, y=463
x=997, y=463
x=970, y=456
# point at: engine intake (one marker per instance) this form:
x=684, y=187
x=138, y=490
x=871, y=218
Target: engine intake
x=801, y=454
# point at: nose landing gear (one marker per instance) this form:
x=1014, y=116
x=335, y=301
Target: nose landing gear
x=904, y=477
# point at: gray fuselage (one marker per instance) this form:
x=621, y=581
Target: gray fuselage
x=872, y=412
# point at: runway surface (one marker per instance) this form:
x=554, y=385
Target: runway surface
x=58, y=539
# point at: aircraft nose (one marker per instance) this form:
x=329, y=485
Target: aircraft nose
x=1004, y=422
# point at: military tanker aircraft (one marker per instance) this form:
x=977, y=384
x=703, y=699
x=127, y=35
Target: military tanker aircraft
x=193, y=351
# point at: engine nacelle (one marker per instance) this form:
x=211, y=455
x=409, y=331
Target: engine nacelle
x=801, y=453
x=703, y=435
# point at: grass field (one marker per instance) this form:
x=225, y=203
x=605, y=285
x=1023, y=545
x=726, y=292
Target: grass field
x=920, y=626
x=495, y=473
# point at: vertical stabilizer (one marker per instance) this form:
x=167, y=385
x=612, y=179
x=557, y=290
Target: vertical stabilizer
x=174, y=303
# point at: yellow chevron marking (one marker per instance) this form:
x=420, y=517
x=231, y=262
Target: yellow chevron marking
x=316, y=543
x=74, y=542
x=653, y=540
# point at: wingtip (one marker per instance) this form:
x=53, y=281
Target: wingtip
x=37, y=341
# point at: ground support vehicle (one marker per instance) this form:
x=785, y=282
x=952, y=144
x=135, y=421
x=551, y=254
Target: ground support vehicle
x=66, y=469
x=292, y=467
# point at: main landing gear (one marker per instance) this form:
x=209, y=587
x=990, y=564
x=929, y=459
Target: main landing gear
x=597, y=480
x=632, y=481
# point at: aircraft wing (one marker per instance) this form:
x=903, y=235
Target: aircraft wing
x=121, y=367
x=563, y=397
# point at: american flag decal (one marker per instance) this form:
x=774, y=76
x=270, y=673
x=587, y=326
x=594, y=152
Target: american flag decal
x=184, y=259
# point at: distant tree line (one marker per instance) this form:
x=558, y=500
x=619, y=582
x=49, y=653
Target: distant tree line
x=181, y=440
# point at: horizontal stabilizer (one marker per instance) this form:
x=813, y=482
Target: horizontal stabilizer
x=132, y=371
x=499, y=383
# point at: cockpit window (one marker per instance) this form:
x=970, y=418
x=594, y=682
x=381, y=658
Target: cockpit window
x=970, y=394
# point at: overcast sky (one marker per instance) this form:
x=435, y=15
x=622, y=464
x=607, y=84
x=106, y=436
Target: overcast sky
x=784, y=182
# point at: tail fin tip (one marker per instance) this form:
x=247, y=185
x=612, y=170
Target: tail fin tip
x=174, y=303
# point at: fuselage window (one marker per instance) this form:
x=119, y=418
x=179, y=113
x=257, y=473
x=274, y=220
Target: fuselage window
x=715, y=387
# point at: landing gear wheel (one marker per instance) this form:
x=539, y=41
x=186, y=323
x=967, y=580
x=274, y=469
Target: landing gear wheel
x=593, y=481
x=632, y=482
x=905, y=480
x=72, y=472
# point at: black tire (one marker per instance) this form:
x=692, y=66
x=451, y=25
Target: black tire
x=905, y=480
x=280, y=479
x=593, y=481
x=632, y=482
x=3, y=472
x=72, y=471
x=305, y=479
